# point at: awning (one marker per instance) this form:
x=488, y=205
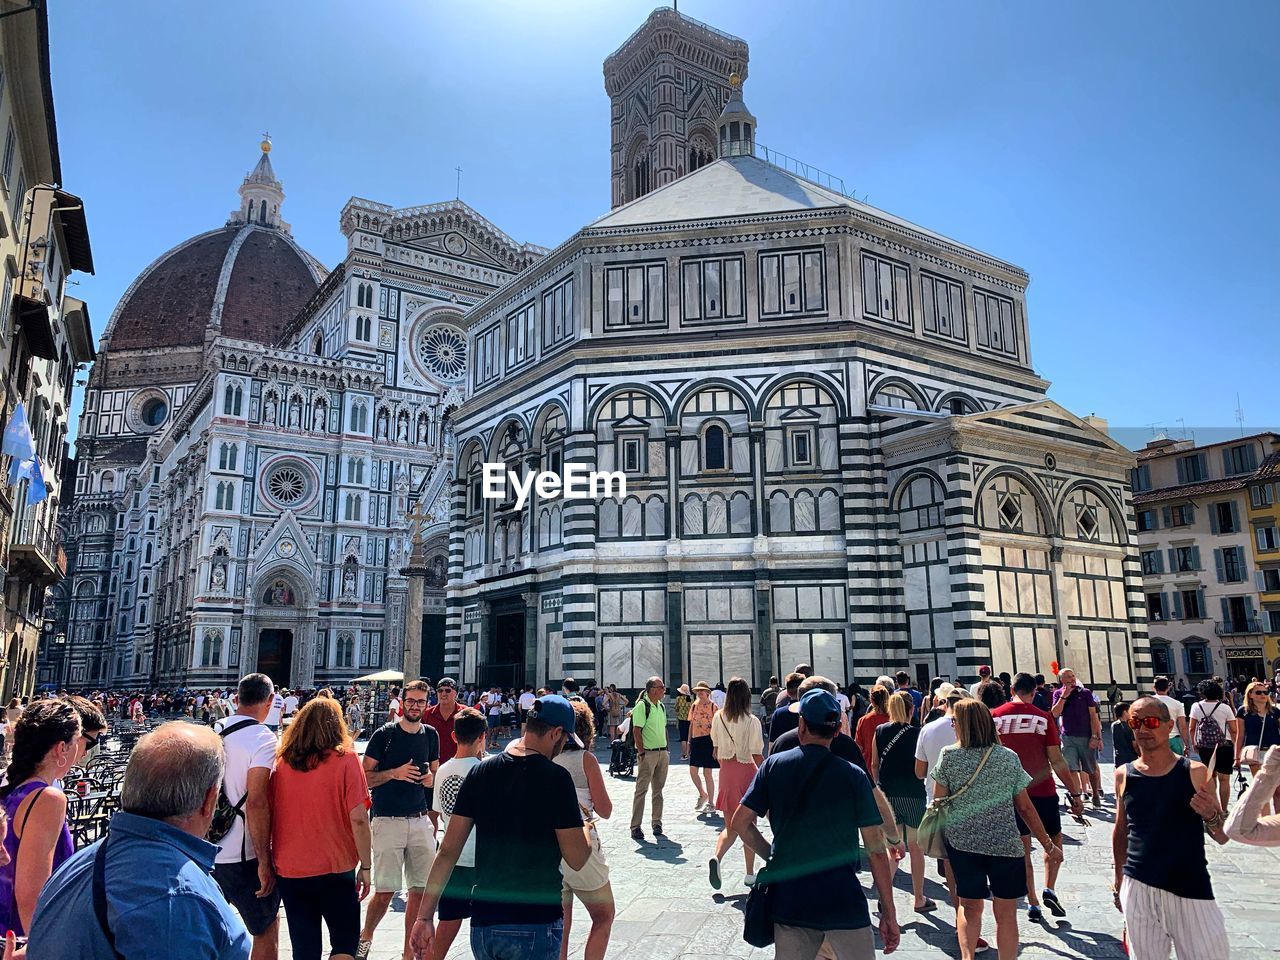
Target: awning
x=34, y=323
x=75, y=317
x=75, y=230
x=386, y=676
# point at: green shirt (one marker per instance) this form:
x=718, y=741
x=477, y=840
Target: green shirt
x=651, y=719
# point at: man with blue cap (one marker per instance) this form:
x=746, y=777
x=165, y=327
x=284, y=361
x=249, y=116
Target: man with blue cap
x=816, y=804
x=525, y=812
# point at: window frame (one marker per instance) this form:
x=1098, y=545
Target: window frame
x=781, y=257
x=646, y=301
x=982, y=302
x=697, y=267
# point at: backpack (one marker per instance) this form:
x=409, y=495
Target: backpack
x=225, y=813
x=1208, y=734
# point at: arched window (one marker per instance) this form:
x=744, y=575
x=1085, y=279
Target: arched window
x=713, y=448
x=232, y=398
x=896, y=396
x=146, y=554
x=359, y=418
x=317, y=347
x=262, y=211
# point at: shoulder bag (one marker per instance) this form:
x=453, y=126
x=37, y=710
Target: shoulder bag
x=930, y=835
x=757, y=915
x=1252, y=754
x=100, y=897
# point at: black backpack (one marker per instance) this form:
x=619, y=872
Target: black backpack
x=225, y=813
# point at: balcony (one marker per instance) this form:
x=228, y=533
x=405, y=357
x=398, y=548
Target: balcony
x=36, y=556
x=1237, y=628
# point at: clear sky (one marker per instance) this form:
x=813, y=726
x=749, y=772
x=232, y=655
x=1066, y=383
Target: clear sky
x=1124, y=154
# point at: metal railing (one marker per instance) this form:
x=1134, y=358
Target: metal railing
x=806, y=171
x=1227, y=628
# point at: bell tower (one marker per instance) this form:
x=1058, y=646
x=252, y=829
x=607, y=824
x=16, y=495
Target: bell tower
x=667, y=85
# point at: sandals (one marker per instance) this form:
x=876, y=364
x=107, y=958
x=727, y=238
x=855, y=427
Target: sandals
x=927, y=907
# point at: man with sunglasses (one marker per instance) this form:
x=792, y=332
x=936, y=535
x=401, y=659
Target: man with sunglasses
x=400, y=764
x=1165, y=804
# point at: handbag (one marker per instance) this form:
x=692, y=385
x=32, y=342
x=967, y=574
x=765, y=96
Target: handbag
x=930, y=835
x=1252, y=754
x=757, y=914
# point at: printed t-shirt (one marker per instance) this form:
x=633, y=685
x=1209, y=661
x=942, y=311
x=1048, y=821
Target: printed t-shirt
x=392, y=746
x=311, y=816
x=517, y=854
x=277, y=708
x=1028, y=731
x=449, y=780
x=249, y=746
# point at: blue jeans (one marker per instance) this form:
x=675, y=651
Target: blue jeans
x=518, y=941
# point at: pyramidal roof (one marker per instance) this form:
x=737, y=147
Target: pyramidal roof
x=263, y=172
x=745, y=185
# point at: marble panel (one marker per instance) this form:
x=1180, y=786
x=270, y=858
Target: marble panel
x=743, y=604
x=695, y=605
x=809, y=603
x=631, y=515
x=735, y=652
x=1120, y=660
x=915, y=587
x=655, y=517
x=704, y=657
x=688, y=457
x=740, y=450
x=828, y=448
x=1088, y=600
x=1001, y=649
x=654, y=611
x=632, y=606
x=718, y=604
x=779, y=512
x=610, y=606
x=793, y=648
x=1008, y=593
x=616, y=660
x=1100, y=655
x=774, y=451
x=657, y=458
x=1024, y=649
x=740, y=513
x=1045, y=649
x=829, y=511
x=693, y=511
x=648, y=657
x=784, y=603
x=829, y=656
x=803, y=511
x=1026, y=593
x=717, y=514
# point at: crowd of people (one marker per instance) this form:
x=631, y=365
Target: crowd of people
x=256, y=801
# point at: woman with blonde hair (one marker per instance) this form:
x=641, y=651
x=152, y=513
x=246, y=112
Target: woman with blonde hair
x=982, y=783
x=702, y=761
x=1259, y=728
x=865, y=732
x=893, y=770
x=591, y=883
x=320, y=831
x=739, y=747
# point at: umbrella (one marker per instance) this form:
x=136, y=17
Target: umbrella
x=386, y=676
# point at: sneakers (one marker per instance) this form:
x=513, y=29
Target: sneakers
x=1034, y=913
x=362, y=949
x=657, y=830
x=713, y=873
x=749, y=879
x=1053, y=903
x=637, y=834
x=699, y=803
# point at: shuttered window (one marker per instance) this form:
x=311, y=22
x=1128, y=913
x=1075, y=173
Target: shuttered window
x=943, y=302
x=995, y=323
x=886, y=290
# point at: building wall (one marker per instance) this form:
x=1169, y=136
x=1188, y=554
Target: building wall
x=1264, y=530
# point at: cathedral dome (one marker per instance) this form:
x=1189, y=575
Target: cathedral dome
x=246, y=280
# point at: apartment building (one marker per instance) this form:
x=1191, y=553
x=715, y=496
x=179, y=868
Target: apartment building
x=1198, y=537
x=1264, y=527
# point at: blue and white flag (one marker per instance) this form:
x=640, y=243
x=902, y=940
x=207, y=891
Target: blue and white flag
x=38, y=490
x=17, y=436
x=21, y=468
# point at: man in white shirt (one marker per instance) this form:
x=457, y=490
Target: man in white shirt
x=718, y=696
x=984, y=674
x=246, y=878
x=290, y=704
x=933, y=737
x=1179, y=743
x=394, y=710
x=276, y=712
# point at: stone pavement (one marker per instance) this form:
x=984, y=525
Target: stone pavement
x=666, y=910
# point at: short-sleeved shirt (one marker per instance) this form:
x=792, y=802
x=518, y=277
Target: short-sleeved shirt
x=651, y=718
x=1176, y=709
x=1259, y=730
x=814, y=870
x=980, y=820
x=277, y=708
x=933, y=737
x=1122, y=743
x=249, y=746
x=445, y=795
x=443, y=726
x=392, y=746
x=311, y=816
x=1075, y=715
x=527, y=700
x=517, y=805
x=917, y=698
x=1029, y=732
x=701, y=713
x=290, y=705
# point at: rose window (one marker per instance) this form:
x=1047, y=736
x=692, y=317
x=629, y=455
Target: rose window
x=287, y=485
x=443, y=352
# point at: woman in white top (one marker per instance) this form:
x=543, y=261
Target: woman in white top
x=1214, y=734
x=739, y=747
x=591, y=883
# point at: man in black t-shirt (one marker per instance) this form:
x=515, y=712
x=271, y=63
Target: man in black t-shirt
x=525, y=812
x=400, y=764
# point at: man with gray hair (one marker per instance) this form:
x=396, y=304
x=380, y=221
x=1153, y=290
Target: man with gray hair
x=145, y=892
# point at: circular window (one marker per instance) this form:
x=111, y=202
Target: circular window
x=442, y=350
x=154, y=411
x=287, y=485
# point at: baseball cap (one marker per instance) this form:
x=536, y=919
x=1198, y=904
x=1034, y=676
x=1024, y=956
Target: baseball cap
x=556, y=710
x=819, y=707
x=447, y=682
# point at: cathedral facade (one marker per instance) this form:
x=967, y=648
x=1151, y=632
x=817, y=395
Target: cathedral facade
x=837, y=450
x=255, y=432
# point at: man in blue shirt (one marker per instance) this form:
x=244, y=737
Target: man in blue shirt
x=817, y=803
x=903, y=681
x=153, y=895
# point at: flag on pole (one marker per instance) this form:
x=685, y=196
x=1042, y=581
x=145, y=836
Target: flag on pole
x=17, y=436
x=38, y=490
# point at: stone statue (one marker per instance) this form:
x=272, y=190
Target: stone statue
x=402, y=430
x=295, y=414
x=269, y=414
x=219, y=579
x=349, y=582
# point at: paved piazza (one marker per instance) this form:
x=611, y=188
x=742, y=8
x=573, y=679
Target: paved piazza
x=667, y=910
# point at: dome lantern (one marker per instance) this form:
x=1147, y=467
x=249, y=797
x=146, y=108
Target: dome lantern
x=261, y=194
x=737, y=126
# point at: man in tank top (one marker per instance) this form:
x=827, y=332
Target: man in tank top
x=1165, y=804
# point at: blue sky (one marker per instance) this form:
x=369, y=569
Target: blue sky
x=1123, y=153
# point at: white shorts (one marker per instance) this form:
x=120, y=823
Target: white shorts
x=1157, y=921
x=403, y=850
x=594, y=873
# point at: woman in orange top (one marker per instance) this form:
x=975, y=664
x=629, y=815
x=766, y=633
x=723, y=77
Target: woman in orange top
x=865, y=734
x=701, y=755
x=320, y=831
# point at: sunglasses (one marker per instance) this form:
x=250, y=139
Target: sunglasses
x=1137, y=723
x=91, y=742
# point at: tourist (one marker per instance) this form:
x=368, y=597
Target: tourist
x=684, y=702
x=46, y=742
x=865, y=733
x=842, y=745
x=400, y=763
x=902, y=682
x=893, y=770
x=984, y=675
x=158, y=897
x=516, y=907
x=739, y=749
x=1075, y=706
x=817, y=806
x=524, y=704
x=394, y=709
x=1165, y=805
x=1043, y=699
x=1249, y=822
x=1032, y=734
x=276, y=712
x=467, y=736
x=1258, y=723
x=937, y=706
x=440, y=716
x=1214, y=731
x=702, y=760
x=987, y=784
x=617, y=703
x=93, y=727
x=590, y=883
x=242, y=865
x=991, y=694
x=290, y=705
x=769, y=697
x=355, y=717
x=320, y=832
x=784, y=720
x=1181, y=741
x=718, y=695
x=1123, y=747
x=649, y=730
